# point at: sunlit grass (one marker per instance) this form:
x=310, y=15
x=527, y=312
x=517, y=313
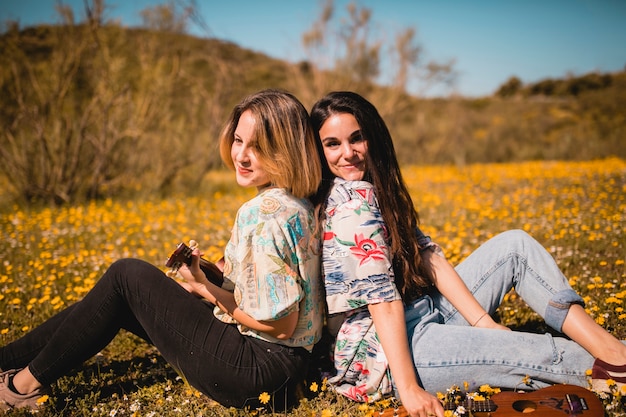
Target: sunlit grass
x=50, y=257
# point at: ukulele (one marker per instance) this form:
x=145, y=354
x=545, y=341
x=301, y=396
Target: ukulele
x=182, y=255
x=555, y=401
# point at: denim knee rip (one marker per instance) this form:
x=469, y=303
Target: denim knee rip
x=557, y=355
x=558, y=307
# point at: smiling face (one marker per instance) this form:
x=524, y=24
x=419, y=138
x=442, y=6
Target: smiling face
x=249, y=170
x=344, y=147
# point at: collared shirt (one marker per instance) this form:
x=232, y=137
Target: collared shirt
x=272, y=264
x=357, y=270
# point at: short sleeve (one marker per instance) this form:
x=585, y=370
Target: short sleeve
x=356, y=261
x=262, y=259
x=424, y=242
x=274, y=287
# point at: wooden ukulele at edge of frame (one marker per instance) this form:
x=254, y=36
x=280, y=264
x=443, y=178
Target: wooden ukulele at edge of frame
x=560, y=400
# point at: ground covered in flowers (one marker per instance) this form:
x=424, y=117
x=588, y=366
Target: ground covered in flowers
x=50, y=257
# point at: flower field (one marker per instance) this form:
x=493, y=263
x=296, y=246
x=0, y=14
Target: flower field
x=50, y=257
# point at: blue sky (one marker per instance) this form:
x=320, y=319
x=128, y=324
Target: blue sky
x=490, y=40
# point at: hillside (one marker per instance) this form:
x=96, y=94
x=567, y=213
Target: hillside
x=94, y=110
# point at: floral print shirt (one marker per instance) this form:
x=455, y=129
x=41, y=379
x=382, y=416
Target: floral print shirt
x=357, y=271
x=272, y=264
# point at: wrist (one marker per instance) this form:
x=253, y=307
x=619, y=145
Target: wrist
x=480, y=318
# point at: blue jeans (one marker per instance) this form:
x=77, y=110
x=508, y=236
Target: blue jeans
x=448, y=351
x=212, y=356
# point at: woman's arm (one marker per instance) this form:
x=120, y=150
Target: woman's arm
x=197, y=283
x=451, y=286
x=391, y=330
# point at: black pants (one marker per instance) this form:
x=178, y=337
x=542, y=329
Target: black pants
x=134, y=295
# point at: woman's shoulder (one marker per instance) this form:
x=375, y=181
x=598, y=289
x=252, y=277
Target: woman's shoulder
x=344, y=191
x=274, y=201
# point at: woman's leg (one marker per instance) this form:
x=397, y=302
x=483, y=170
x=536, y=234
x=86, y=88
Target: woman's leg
x=19, y=353
x=447, y=355
x=514, y=259
x=600, y=343
x=213, y=356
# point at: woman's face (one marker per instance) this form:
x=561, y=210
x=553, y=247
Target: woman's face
x=248, y=169
x=344, y=147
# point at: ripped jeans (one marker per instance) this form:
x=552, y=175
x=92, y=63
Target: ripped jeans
x=447, y=351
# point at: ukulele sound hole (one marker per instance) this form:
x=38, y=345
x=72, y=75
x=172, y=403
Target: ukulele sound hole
x=525, y=406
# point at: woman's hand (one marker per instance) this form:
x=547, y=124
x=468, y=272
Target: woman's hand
x=419, y=403
x=195, y=279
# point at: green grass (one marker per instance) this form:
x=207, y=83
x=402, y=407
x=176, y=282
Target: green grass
x=50, y=257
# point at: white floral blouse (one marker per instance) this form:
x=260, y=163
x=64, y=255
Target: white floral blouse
x=272, y=264
x=357, y=271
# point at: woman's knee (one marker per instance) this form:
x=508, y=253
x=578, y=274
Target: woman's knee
x=517, y=235
x=129, y=269
x=124, y=266
x=519, y=242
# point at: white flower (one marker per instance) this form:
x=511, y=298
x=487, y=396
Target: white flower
x=460, y=411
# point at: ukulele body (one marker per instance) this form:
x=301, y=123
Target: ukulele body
x=555, y=401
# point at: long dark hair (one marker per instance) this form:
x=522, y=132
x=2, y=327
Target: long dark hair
x=383, y=171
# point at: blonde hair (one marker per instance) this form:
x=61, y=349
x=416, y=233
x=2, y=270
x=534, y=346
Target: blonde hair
x=285, y=140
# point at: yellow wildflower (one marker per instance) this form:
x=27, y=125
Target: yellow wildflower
x=313, y=387
x=264, y=398
x=488, y=390
x=613, y=300
x=386, y=403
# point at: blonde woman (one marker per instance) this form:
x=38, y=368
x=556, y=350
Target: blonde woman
x=252, y=335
